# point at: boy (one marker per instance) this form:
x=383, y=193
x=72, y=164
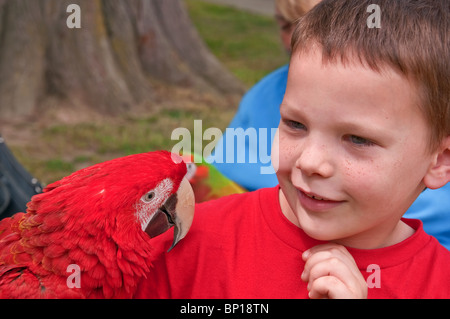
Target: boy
x=365, y=127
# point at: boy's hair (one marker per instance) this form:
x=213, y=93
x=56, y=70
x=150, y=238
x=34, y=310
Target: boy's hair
x=291, y=10
x=412, y=39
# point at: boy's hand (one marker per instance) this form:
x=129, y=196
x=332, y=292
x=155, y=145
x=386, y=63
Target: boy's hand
x=331, y=272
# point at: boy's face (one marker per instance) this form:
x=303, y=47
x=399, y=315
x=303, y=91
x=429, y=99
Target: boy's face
x=352, y=151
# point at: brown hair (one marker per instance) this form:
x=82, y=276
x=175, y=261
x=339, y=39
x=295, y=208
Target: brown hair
x=291, y=10
x=412, y=39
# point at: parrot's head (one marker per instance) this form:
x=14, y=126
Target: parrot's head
x=130, y=196
x=165, y=198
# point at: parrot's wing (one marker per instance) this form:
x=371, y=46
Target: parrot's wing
x=19, y=282
x=7, y=224
x=17, y=278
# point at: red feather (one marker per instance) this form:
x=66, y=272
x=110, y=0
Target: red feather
x=87, y=219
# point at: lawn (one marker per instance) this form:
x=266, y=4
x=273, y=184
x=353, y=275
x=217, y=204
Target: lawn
x=247, y=44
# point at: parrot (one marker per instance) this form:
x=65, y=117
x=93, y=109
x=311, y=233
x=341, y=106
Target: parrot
x=89, y=235
x=207, y=182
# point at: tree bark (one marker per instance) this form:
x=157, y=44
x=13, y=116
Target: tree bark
x=109, y=63
x=21, y=56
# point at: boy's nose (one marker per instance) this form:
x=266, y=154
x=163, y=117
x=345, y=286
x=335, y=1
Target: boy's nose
x=315, y=159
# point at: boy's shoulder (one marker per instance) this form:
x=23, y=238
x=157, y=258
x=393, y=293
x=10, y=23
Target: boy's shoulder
x=414, y=268
x=274, y=77
x=233, y=205
x=272, y=86
x=429, y=273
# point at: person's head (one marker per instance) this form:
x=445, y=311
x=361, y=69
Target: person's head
x=287, y=12
x=365, y=121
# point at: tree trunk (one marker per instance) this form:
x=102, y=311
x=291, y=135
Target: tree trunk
x=109, y=63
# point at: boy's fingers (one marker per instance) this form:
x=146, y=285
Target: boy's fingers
x=329, y=266
x=329, y=287
x=333, y=254
x=335, y=249
x=332, y=264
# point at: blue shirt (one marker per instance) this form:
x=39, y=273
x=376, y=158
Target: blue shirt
x=432, y=207
x=243, y=152
x=260, y=109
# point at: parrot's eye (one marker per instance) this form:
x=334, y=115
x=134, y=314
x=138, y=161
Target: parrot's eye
x=148, y=197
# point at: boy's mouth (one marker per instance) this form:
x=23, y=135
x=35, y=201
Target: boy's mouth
x=314, y=202
x=315, y=196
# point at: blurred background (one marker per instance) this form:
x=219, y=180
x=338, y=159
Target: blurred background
x=133, y=72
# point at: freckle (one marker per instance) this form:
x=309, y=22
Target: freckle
x=348, y=164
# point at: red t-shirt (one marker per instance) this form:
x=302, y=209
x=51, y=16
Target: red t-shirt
x=242, y=246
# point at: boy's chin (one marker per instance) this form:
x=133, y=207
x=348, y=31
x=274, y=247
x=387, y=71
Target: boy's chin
x=320, y=235
x=324, y=230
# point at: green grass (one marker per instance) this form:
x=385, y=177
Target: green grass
x=245, y=43
x=61, y=149
x=248, y=44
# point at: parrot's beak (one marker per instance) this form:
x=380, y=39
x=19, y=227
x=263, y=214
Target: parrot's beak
x=178, y=211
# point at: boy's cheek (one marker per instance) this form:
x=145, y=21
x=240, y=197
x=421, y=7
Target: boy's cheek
x=283, y=154
x=275, y=155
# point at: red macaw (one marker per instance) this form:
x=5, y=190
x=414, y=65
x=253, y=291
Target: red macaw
x=208, y=183
x=99, y=221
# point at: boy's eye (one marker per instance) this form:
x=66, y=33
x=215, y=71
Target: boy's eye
x=286, y=27
x=359, y=141
x=283, y=23
x=294, y=125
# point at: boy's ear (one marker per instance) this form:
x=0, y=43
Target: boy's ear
x=439, y=172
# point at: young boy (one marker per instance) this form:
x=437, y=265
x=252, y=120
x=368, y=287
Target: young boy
x=365, y=127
